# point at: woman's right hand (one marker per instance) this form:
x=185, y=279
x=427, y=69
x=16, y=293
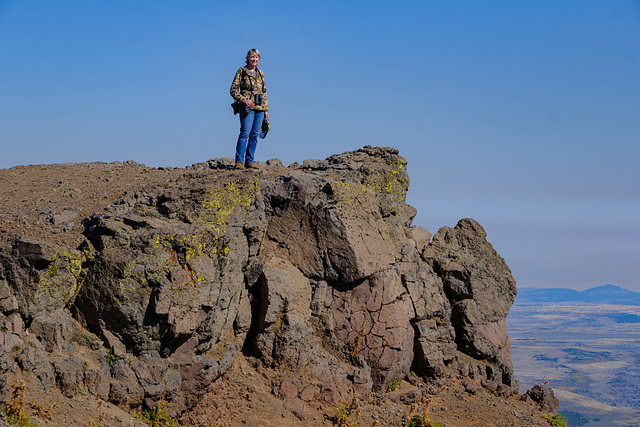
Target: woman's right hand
x=248, y=103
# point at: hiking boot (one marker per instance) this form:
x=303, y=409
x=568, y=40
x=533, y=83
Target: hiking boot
x=239, y=165
x=251, y=166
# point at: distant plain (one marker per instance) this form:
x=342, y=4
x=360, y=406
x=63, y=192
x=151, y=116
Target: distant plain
x=588, y=352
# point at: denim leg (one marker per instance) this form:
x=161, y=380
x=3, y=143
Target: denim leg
x=246, y=124
x=253, y=135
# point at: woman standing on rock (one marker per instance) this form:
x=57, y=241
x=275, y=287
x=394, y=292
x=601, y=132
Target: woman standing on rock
x=250, y=92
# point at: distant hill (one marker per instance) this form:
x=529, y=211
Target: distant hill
x=607, y=294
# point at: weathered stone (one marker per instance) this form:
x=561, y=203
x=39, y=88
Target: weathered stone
x=186, y=352
x=372, y=318
x=197, y=377
x=180, y=279
x=288, y=390
x=287, y=293
x=114, y=344
x=489, y=385
x=471, y=268
x=98, y=382
x=35, y=359
x=505, y=390
x=282, y=309
x=8, y=302
x=36, y=276
x=14, y=324
x=309, y=392
x=69, y=375
x=159, y=379
x=321, y=230
x=420, y=236
x=408, y=397
x=67, y=215
x=319, y=295
x=481, y=289
x=471, y=387
x=544, y=397
x=53, y=329
x=276, y=163
x=125, y=389
x=435, y=348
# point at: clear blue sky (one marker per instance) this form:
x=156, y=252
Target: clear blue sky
x=524, y=115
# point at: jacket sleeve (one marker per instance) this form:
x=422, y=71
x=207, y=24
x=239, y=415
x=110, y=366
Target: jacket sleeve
x=235, y=86
x=265, y=102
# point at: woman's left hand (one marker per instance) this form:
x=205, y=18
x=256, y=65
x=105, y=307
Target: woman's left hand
x=266, y=115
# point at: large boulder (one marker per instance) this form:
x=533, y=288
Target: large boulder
x=169, y=265
x=480, y=288
x=166, y=283
x=331, y=229
x=282, y=305
x=544, y=397
x=36, y=277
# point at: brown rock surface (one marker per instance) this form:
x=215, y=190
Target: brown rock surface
x=254, y=296
x=481, y=289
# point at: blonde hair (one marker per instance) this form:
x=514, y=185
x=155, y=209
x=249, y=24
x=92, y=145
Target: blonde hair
x=253, y=52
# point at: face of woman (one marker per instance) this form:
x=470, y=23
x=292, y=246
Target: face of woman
x=253, y=62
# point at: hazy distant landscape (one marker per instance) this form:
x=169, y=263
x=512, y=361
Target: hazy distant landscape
x=587, y=345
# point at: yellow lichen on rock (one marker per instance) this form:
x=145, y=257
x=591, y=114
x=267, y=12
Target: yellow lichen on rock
x=131, y=278
x=221, y=202
x=391, y=179
x=64, y=270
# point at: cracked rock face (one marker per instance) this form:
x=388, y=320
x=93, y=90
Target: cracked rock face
x=315, y=270
x=373, y=319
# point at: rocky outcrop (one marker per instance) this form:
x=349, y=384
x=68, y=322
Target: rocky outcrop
x=481, y=289
x=543, y=396
x=316, y=271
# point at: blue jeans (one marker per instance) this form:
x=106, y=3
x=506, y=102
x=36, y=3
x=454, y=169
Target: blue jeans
x=250, y=123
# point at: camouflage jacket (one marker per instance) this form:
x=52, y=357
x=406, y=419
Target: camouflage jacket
x=242, y=84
